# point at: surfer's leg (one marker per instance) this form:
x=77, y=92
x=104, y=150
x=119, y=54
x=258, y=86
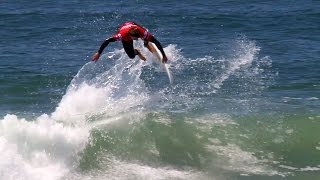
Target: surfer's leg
x=128, y=48
x=145, y=43
x=141, y=56
x=131, y=52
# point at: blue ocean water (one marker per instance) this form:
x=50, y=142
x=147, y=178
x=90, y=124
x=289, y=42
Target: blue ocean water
x=244, y=103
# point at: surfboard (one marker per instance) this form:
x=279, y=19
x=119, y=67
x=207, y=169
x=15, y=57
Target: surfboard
x=157, y=53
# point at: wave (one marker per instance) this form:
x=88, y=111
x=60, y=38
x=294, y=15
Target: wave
x=38, y=149
x=121, y=119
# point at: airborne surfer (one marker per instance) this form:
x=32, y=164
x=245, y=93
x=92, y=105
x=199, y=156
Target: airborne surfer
x=128, y=32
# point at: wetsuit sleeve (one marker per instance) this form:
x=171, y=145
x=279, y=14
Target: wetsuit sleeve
x=157, y=43
x=105, y=44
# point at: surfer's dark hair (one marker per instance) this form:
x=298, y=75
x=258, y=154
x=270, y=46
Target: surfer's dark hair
x=134, y=32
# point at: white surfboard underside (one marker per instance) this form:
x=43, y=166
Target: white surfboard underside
x=156, y=52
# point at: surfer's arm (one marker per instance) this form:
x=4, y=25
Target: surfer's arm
x=159, y=46
x=103, y=45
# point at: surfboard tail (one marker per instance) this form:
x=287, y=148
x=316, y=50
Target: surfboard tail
x=165, y=65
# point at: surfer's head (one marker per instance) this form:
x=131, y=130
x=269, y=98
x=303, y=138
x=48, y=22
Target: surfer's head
x=134, y=32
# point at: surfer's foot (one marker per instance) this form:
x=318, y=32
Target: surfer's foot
x=141, y=56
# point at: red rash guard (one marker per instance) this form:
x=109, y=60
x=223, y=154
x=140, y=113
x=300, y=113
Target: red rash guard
x=127, y=40
x=123, y=33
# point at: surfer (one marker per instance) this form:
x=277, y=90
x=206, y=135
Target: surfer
x=128, y=32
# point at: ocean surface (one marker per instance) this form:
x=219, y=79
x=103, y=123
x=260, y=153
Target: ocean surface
x=244, y=104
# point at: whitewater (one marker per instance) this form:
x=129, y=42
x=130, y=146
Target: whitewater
x=106, y=102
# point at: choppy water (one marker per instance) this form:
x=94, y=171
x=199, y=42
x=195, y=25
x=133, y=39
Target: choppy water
x=244, y=103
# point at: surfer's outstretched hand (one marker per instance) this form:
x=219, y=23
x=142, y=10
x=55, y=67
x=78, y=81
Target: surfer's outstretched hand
x=95, y=57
